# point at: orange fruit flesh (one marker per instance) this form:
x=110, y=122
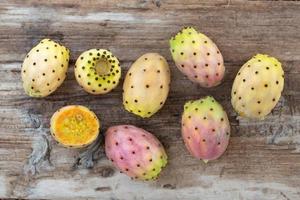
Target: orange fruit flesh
x=74, y=126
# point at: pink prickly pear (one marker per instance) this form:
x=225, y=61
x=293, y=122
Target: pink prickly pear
x=134, y=151
x=197, y=57
x=205, y=128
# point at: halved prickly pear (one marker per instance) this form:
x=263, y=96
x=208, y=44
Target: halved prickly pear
x=205, y=128
x=74, y=126
x=134, y=151
x=98, y=71
x=198, y=57
x=45, y=68
x=146, y=85
x=257, y=87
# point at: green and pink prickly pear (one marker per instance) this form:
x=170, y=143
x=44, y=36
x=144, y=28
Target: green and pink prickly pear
x=257, y=87
x=146, y=85
x=98, y=71
x=135, y=152
x=205, y=128
x=45, y=68
x=196, y=56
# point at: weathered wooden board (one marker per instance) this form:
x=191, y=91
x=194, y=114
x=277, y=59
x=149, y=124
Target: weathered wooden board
x=263, y=158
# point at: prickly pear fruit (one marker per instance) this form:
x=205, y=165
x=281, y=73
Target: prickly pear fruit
x=196, y=56
x=135, y=152
x=45, y=68
x=98, y=71
x=257, y=87
x=205, y=128
x=74, y=126
x=146, y=85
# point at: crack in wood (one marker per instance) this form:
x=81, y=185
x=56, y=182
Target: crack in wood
x=103, y=189
x=40, y=154
x=278, y=131
x=222, y=172
x=169, y=186
x=89, y=156
x=285, y=197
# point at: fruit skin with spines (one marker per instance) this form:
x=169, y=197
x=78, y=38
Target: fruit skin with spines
x=257, y=87
x=74, y=126
x=197, y=57
x=45, y=68
x=135, y=152
x=205, y=128
x=97, y=71
x=146, y=85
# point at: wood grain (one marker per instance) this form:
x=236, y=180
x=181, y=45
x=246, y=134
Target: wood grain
x=263, y=158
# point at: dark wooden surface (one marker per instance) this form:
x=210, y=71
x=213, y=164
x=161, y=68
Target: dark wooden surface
x=263, y=157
